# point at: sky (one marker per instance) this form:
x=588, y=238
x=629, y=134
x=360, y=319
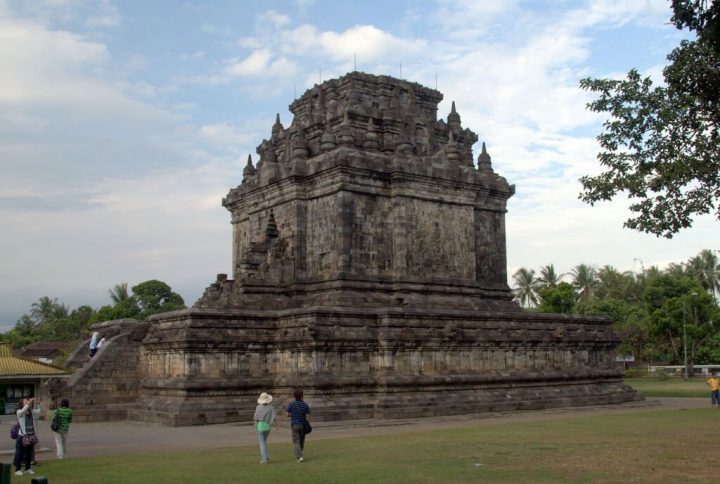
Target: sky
x=123, y=124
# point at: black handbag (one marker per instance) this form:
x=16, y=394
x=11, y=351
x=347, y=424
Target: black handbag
x=307, y=428
x=55, y=424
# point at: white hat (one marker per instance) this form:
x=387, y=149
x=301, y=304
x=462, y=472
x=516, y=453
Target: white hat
x=264, y=398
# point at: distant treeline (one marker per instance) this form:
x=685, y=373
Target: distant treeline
x=50, y=320
x=650, y=308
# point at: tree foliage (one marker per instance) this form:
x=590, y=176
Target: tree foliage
x=49, y=320
x=557, y=299
x=156, y=297
x=648, y=308
x=661, y=144
x=525, y=287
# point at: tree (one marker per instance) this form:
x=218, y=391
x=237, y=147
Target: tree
x=525, y=286
x=612, y=284
x=661, y=145
x=585, y=280
x=696, y=309
x=127, y=308
x=155, y=296
x=119, y=293
x=705, y=267
x=558, y=299
x=548, y=276
x=44, y=309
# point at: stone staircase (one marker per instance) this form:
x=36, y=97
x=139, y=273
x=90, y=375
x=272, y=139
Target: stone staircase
x=103, y=388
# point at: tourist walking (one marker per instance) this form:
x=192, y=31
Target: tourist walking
x=101, y=343
x=94, y=343
x=714, y=390
x=299, y=425
x=264, y=418
x=27, y=436
x=61, y=420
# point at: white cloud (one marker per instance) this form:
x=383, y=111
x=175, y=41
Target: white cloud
x=369, y=43
x=102, y=21
x=275, y=53
x=45, y=64
x=197, y=55
x=261, y=63
x=273, y=17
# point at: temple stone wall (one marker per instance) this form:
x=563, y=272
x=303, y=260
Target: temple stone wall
x=103, y=387
x=369, y=268
x=340, y=355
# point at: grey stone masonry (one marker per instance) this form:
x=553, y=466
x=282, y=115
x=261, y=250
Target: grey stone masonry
x=369, y=268
x=103, y=387
x=367, y=200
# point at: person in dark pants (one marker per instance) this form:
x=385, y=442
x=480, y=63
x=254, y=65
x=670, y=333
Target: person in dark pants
x=298, y=412
x=27, y=436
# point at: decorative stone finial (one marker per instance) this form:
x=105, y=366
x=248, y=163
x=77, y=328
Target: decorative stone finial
x=453, y=118
x=271, y=230
x=268, y=153
x=345, y=134
x=484, y=163
x=327, y=141
x=277, y=127
x=371, y=138
x=403, y=147
x=451, y=150
x=299, y=145
x=355, y=102
x=249, y=169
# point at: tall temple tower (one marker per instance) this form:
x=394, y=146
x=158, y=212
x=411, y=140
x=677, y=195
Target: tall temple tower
x=368, y=200
x=369, y=268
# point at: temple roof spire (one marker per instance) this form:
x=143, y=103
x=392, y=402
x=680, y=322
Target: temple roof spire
x=484, y=163
x=453, y=118
x=249, y=168
x=277, y=127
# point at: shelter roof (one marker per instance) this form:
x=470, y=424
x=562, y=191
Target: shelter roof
x=11, y=365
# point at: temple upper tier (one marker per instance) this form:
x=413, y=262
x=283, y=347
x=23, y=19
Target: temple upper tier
x=367, y=199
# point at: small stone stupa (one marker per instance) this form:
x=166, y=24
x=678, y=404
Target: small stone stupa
x=369, y=268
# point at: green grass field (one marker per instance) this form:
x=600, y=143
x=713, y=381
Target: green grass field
x=652, y=445
x=671, y=387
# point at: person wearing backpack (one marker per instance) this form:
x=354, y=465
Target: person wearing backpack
x=299, y=425
x=60, y=426
x=27, y=436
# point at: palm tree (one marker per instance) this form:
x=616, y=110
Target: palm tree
x=61, y=311
x=44, y=309
x=548, y=276
x=525, y=287
x=585, y=280
x=706, y=269
x=677, y=270
x=119, y=293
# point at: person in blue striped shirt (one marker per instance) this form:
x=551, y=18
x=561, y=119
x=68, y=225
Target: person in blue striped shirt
x=298, y=412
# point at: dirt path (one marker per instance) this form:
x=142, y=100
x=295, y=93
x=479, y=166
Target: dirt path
x=109, y=438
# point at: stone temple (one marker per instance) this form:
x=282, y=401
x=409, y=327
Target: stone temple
x=369, y=268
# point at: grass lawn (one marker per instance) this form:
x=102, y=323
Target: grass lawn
x=653, y=445
x=672, y=387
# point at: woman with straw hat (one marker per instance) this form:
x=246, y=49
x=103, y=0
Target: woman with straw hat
x=264, y=417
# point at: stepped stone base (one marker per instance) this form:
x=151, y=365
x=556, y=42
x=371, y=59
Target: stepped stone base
x=364, y=363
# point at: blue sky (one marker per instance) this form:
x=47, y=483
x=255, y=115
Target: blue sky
x=123, y=124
